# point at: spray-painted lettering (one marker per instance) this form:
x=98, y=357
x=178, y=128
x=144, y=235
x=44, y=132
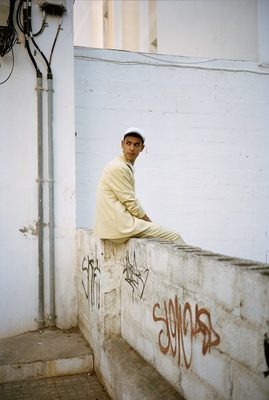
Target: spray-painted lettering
x=181, y=327
x=92, y=285
x=135, y=277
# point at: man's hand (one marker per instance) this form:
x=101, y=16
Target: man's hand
x=146, y=218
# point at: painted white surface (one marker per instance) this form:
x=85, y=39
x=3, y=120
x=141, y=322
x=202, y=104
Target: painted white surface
x=263, y=15
x=213, y=29
x=18, y=186
x=205, y=169
x=87, y=17
x=198, y=318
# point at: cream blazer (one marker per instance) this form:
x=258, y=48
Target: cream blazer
x=118, y=211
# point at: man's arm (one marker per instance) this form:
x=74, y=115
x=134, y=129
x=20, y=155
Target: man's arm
x=121, y=184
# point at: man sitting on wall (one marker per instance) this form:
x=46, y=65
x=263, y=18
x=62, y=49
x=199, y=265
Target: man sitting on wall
x=119, y=215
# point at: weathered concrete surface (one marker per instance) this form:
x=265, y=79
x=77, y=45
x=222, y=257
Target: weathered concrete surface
x=54, y=353
x=131, y=377
x=189, y=313
x=44, y=353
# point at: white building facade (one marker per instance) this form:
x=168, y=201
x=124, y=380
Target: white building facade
x=36, y=290
x=234, y=30
x=215, y=119
x=209, y=177
x=205, y=169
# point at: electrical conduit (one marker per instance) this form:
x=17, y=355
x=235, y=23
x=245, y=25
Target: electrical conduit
x=39, y=90
x=51, y=199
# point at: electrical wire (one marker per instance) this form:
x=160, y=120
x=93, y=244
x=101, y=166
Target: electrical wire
x=12, y=68
x=176, y=65
x=43, y=26
x=30, y=32
x=8, y=34
x=18, y=13
x=20, y=23
x=26, y=28
x=56, y=37
x=178, y=62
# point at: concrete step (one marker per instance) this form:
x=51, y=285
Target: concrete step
x=44, y=354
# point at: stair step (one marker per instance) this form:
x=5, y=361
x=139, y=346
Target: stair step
x=44, y=354
x=131, y=377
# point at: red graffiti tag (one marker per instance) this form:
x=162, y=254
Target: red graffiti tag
x=180, y=328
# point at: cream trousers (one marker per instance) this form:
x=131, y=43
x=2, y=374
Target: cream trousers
x=155, y=231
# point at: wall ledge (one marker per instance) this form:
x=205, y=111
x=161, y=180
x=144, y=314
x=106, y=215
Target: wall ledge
x=190, y=314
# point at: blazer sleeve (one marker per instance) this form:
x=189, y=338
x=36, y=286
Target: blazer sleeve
x=121, y=182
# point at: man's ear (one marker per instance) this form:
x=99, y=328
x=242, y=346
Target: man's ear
x=142, y=148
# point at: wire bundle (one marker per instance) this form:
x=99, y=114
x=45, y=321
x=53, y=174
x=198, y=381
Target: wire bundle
x=8, y=34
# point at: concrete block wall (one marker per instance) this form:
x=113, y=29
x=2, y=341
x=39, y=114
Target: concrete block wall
x=205, y=169
x=199, y=318
x=98, y=288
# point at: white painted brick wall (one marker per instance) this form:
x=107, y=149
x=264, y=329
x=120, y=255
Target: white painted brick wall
x=205, y=169
x=232, y=299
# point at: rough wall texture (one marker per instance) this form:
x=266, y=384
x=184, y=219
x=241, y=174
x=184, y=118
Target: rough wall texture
x=198, y=317
x=205, y=169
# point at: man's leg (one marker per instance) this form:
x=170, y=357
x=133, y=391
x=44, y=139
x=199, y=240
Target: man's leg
x=158, y=231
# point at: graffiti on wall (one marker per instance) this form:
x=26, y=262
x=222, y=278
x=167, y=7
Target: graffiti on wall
x=181, y=326
x=91, y=281
x=136, y=277
x=266, y=353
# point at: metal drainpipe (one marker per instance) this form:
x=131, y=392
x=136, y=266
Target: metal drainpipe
x=51, y=184
x=27, y=7
x=51, y=199
x=41, y=316
x=39, y=90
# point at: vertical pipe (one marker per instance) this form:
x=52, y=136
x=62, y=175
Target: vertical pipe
x=51, y=199
x=41, y=316
x=40, y=218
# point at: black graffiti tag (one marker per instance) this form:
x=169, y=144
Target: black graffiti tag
x=92, y=286
x=134, y=276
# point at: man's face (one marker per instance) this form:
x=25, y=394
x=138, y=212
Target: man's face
x=131, y=147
